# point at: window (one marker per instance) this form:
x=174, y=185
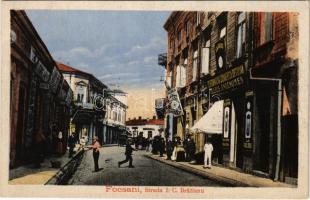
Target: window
x=241, y=35
x=223, y=32
x=195, y=65
x=205, y=58
x=171, y=45
x=198, y=19
x=180, y=37
x=168, y=78
x=181, y=76
x=187, y=28
x=268, y=26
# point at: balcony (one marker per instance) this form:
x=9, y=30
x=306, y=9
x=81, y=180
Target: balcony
x=85, y=105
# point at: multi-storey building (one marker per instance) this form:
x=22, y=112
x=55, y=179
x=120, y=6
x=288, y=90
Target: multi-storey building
x=93, y=116
x=40, y=99
x=230, y=63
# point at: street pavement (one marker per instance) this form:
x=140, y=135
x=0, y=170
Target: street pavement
x=147, y=172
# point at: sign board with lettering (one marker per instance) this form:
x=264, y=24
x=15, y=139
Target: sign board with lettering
x=174, y=104
x=227, y=81
x=55, y=79
x=41, y=70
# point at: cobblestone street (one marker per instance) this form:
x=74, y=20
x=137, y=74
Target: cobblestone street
x=147, y=172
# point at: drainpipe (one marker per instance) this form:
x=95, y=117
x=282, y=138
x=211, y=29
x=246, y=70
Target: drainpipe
x=279, y=136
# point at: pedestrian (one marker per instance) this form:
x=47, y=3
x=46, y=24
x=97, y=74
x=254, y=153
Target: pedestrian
x=71, y=144
x=39, y=148
x=161, y=147
x=96, y=152
x=208, y=148
x=128, y=153
x=60, y=144
x=192, y=149
x=83, y=142
x=187, y=150
x=169, y=149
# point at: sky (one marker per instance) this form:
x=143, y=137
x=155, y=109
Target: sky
x=119, y=47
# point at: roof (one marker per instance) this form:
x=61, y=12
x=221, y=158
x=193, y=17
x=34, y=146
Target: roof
x=65, y=68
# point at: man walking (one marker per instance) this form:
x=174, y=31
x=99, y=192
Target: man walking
x=128, y=153
x=71, y=144
x=208, y=153
x=96, y=146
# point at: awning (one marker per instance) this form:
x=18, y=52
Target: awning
x=212, y=121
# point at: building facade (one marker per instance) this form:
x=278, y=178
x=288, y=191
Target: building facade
x=96, y=110
x=147, y=128
x=244, y=60
x=40, y=99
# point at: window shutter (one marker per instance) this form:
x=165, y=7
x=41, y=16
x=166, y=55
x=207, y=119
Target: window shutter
x=183, y=75
x=205, y=58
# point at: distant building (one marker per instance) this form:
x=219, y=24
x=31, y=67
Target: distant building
x=92, y=116
x=148, y=128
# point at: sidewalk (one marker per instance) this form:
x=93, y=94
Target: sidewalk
x=28, y=174
x=221, y=174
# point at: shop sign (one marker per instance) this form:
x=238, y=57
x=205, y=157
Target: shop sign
x=248, y=130
x=33, y=55
x=159, y=103
x=228, y=80
x=226, y=123
x=41, y=70
x=174, y=104
x=220, y=55
x=55, y=79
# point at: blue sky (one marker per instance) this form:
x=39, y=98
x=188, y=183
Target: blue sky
x=118, y=47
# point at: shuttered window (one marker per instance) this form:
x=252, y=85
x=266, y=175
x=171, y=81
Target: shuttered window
x=268, y=26
x=205, y=58
x=241, y=35
x=195, y=65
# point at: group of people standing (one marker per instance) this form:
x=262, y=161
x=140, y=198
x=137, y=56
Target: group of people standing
x=178, y=150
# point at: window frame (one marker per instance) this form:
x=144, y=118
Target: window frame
x=241, y=24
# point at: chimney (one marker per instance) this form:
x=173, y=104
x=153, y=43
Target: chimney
x=154, y=117
x=140, y=117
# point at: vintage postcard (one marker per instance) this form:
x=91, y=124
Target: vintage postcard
x=155, y=99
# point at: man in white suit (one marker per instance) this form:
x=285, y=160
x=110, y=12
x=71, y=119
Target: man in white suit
x=208, y=148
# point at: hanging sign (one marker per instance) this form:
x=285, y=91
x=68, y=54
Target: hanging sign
x=41, y=70
x=248, y=116
x=55, y=79
x=174, y=104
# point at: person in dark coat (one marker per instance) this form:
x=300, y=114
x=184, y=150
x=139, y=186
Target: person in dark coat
x=192, y=149
x=71, y=144
x=96, y=147
x=161, y=146
x=128, y=153
x=169, y=149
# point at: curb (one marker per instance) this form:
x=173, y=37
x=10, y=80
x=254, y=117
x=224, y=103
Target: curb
x=65, y=172
x=220, y=179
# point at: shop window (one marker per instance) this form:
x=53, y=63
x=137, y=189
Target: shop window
x=205, y=58
x=195, y=65
x=241, y=35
